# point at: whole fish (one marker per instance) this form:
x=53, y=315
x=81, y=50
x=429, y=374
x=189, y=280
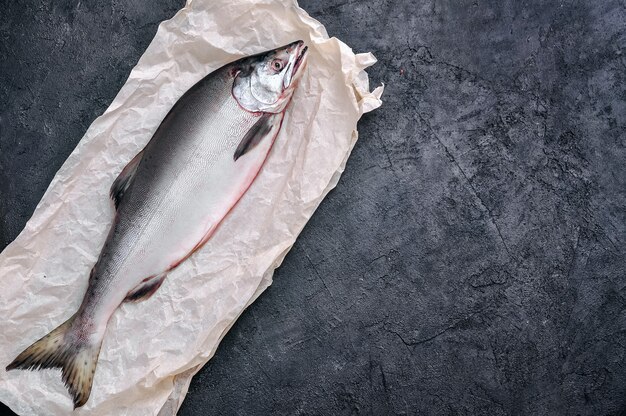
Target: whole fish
x=172, y=196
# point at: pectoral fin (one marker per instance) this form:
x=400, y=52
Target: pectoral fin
x=254, y=135
x=124, y=179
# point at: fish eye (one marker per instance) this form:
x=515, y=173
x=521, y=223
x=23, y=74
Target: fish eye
x=277, y=64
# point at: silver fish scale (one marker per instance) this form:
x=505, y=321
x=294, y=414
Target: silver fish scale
x=206, y=124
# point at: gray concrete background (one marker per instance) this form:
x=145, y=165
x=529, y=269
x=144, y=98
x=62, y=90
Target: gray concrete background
x=471, y=259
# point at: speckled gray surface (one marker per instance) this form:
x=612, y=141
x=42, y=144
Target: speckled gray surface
x=471, y=259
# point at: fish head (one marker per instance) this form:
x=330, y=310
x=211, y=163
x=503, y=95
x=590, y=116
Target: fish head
x=266, y=82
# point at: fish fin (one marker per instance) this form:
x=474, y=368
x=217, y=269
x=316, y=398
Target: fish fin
x=259, y=130
x=124, y=179
x=75, y=357
x=145, y=289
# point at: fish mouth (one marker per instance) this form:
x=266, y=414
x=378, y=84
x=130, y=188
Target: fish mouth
x=294, y=72
x=300, y=58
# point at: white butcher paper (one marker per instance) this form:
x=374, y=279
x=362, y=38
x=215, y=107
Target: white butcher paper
x=153, y=348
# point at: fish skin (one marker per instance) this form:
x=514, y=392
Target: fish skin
x=171, y=198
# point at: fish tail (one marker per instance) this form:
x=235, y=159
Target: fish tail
x=75, y=356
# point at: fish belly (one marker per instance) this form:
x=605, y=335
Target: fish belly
x=196, y=205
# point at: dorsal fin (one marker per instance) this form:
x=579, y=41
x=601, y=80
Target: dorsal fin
x=254, y=135
x=124, y=179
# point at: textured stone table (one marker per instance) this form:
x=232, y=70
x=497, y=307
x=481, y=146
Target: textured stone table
x=471, y=259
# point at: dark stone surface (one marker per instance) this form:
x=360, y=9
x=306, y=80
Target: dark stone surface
x=471, y=259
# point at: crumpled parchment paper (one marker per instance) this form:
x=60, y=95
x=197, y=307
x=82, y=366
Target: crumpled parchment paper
x=153, y=348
